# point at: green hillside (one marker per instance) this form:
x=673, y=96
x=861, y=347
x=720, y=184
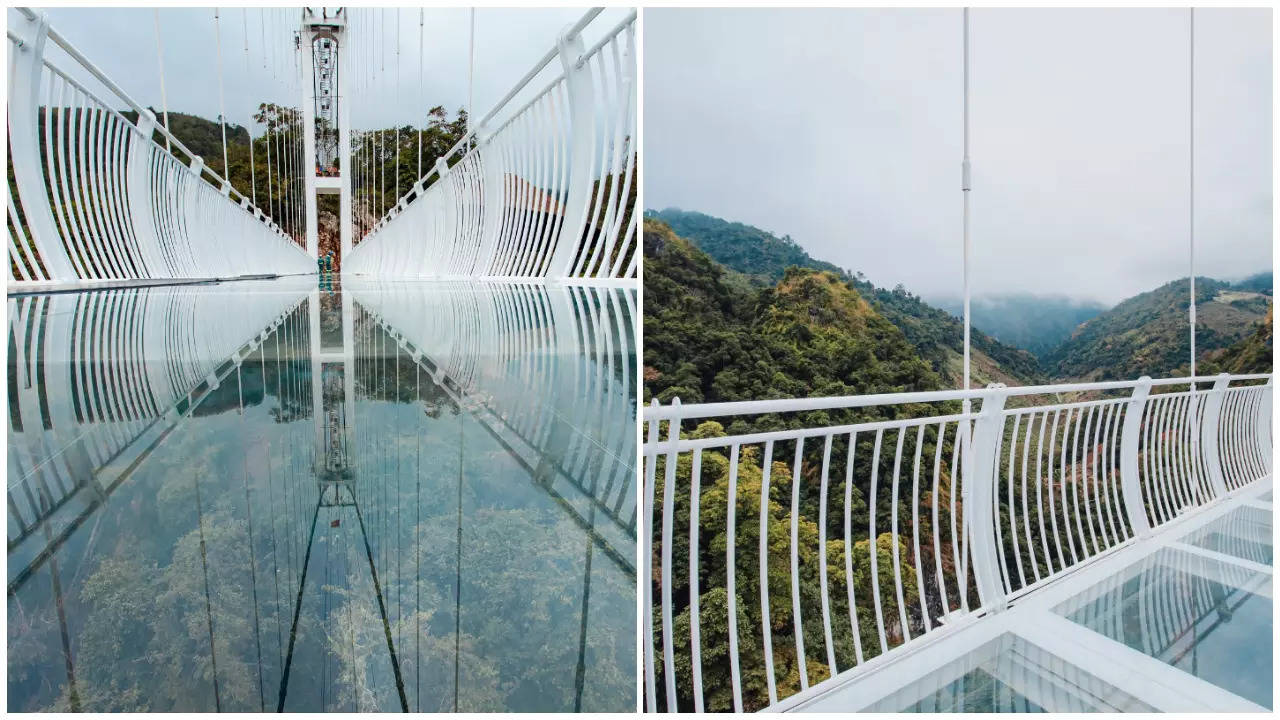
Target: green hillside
x=709, y=338
x=1253, y=354
x=938, y=336
x=1147, y=334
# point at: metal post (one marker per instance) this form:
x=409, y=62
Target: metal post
x=1208, y=435
x=24, y=148
x=1130, y=482
x=141, y=198
x=345, y=170
x=978, y=493
x=1263, y=425
x=581, y=128
x=309, y=140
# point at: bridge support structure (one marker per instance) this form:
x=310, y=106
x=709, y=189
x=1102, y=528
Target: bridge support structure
x=326, y=121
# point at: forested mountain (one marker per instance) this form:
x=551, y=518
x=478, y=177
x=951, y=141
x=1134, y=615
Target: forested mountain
x=1250, y=355
x=938, y=336
x=1038, y=324
x=1147, y=334
x=709, y=338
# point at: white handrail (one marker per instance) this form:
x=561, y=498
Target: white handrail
x=97, y=199
x=894, y=514
x=547, y=193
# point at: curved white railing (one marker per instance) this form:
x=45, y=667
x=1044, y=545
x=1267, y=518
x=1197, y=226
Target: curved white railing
x=546, y=192
x=757, y=598
x=97, y=199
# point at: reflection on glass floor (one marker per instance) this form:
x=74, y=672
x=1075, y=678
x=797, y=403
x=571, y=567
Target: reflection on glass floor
x=1197, y=614
x=1245, y=532
x=259, y=495
x=1009, y=674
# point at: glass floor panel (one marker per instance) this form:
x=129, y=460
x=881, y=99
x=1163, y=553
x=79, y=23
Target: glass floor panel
x=1245, y=532
x=1204, y=617
x=1266, y=495
x=1009, y=674
x=267, y=495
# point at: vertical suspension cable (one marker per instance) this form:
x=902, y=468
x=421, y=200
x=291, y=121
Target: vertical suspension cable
x=1191, y=180
x=164, y=98
x=965, y=189
x=421, y=11
x=253, y=175
x=398, y=86
x=471, y=72
x=222, y=109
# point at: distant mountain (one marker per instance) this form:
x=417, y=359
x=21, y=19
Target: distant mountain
x=1260, y=283
x=1148, y=335
x=761, y=259
x=1036, y=323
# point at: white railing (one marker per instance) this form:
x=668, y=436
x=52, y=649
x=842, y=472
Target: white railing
x=755, y=599
x=98, y=200
x=546, y=192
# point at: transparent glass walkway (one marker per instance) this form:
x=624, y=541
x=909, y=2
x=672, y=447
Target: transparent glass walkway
x=1180, y=621
x=267, y=495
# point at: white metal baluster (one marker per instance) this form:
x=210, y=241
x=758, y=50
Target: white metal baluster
x=848, y=552
x=1006, y=568
x=822, y=557
x=731, y=568
x=1026, y=514
x=797, y=621
x=915, y=530
x=1085, y=474
x=871, y=536
x=1044, y=535
x=766, y=469
x=695, y=618
x=937, y=529
x=897, y=565
x=668, y=517
x=1094, y=468
x=646, y=574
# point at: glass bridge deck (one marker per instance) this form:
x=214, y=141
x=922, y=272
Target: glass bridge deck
x=1178, y=621
x=264, y=495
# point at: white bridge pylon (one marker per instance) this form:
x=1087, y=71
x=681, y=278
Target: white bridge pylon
x=325, y=54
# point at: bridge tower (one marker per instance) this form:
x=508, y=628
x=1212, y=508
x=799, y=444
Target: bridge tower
x=326, y=119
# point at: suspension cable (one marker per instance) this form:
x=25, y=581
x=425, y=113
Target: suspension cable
x=253, y=175
x=1191, y=181
x=965, y=189
x=222, y=111
x=396, y=194
x=421, y=11
x=164, y=98
x=471, y=68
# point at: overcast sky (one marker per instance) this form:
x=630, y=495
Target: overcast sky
x=842, y=128
x=122, y=41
